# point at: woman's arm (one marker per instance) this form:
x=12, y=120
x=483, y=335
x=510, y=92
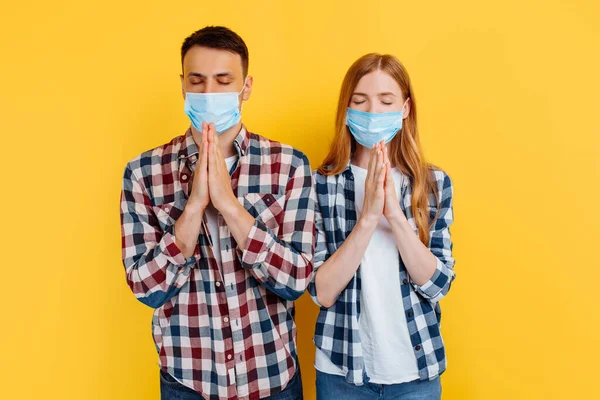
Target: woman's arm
x=335, y=273
x=430, y=269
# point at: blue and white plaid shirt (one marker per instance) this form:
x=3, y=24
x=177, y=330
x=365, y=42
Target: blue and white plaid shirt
x=337, y=329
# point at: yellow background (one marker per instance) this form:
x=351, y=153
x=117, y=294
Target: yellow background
x=508, y=98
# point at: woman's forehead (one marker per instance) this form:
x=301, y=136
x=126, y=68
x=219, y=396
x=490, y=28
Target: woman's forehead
x=377, y=82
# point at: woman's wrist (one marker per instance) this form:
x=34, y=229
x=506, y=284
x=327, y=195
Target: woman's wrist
x=368, y=222
x=400, y=224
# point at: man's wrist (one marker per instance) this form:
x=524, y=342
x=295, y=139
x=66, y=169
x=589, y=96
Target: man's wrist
x=231, y=209
x=194, y=207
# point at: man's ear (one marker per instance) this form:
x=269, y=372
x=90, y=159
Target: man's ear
x=247, y=88
x=182, y=86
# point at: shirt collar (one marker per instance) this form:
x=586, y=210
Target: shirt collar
x=348, y=172
x=241, y=142
x=190, y=149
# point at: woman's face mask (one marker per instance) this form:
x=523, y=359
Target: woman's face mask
x=371, y=128
x=375, y=113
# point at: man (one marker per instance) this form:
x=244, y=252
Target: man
x=218, y=237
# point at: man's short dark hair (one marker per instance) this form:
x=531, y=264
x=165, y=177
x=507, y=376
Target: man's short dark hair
x=217, y=37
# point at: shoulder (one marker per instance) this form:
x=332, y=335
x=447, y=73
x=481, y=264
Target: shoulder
x=148, y=162
x=328, y=185
x=444, y=185
x=321, y=176
x=274, y=150
x=441, y=177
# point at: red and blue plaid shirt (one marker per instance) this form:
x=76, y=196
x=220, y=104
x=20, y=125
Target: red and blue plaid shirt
x=225, y=331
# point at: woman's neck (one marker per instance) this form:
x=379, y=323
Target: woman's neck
x=361, y=156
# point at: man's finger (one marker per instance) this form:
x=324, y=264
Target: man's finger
x=212, y=131
x=204, y=160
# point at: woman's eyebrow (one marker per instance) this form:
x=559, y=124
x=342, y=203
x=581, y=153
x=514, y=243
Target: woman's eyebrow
x=386, y=94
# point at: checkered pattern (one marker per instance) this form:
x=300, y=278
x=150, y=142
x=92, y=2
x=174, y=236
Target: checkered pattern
x=337, y=329
x=227, y=332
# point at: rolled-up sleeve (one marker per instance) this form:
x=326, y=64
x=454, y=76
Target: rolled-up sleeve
x=283, y=262
x=441, y=244
x=154, y=265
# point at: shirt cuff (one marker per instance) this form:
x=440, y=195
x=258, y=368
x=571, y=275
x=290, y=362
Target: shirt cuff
x=436, y=284
x=174, y=255
x=260, y=240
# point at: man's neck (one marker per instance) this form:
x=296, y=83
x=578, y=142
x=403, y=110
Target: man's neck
x=226, y=139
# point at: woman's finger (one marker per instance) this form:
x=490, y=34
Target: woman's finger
x=386, y=157
x=371, y=166
x=389, y=182
x=380, y=168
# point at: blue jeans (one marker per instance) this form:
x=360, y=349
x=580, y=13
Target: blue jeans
x=170, y=389
x=335, y=387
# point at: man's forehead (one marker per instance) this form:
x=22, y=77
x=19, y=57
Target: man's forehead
x=210, y=61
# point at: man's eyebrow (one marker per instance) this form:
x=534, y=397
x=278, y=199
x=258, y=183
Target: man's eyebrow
x=199, y=75
x=223, y=74
x=219, y=75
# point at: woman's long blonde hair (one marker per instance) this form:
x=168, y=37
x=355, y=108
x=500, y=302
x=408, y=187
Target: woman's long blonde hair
x=405, y=148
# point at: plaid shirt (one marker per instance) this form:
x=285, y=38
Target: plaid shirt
x=225, y=331
x=337, y=330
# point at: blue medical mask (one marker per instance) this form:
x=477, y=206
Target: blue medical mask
x=370, y=128
x=223, y=109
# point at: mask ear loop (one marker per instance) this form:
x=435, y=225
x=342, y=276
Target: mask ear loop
x=241, y=91
x=244, y=86
x=404, y=105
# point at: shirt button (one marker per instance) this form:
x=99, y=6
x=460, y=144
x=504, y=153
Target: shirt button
x=166, y=209
x=417, y=347
x=410, y=314
x=405, y=281
x=193, y=158
x=229, y=356
x=226, y=319
x=182, y=156
x=184, y=177
x=217, y=284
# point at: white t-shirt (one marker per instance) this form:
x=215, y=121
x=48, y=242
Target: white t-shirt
x=387, y=350
x=212, y=218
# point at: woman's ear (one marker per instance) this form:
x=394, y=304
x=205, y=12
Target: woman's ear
x=406, y=108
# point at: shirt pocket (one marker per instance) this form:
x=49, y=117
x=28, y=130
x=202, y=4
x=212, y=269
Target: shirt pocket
x=266, y=207
x=167, y=214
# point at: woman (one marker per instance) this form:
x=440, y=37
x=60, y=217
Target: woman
x=384, y=254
